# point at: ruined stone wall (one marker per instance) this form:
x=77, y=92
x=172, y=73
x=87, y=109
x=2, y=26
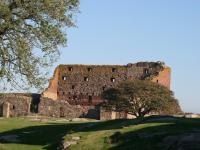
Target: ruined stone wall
x=110, y=115
x=83, y=84
x=164, y=77
x=1, y=110
x=106, y=115
x=13, y=105
x=53, y=86
x=50, y=108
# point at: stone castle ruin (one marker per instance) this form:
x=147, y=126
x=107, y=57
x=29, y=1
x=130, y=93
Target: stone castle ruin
x=84, y=84
x=75, y=90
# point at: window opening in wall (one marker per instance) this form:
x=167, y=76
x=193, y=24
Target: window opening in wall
x=114, y=69
x=73, y=86
x=146, y=71
x=157, y=81
x=112, y=79
x=62, y=113
x=86, y=79
x=90, y=99
x=70, y=69
x=74, y=97
x=64, y=78
x=89, y=69
x=13, y=107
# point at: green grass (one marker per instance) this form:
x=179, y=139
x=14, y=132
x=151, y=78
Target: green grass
x=115, y=134
x=33, y=135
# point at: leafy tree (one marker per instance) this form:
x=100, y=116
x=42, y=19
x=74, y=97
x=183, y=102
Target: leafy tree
x=30, y=33
x=141, y=97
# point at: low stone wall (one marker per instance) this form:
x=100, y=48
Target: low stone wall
x=110, y=115
x=13, y=105
x=50, y=108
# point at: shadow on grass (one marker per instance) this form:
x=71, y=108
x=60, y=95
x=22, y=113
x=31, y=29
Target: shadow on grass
x=151, y=137
x=52, y=133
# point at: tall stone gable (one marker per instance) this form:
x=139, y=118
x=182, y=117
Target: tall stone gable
x=83, y=84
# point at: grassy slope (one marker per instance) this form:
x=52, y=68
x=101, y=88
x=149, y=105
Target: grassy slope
x=33, y=135
x=9, y=126
x=131, y=135
x=94, y=135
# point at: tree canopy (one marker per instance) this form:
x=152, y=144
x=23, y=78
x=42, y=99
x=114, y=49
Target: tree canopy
x=141, y=97
x=30, y=33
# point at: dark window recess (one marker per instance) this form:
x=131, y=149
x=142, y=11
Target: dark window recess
x=112, y=79
x=63, y=93
x=114, y=69
x=13, y=107
x=90, y=99
x=86, y=79
x=70, y=69
x=157, y=81
x=146, y=71
x=75, y=97
x=62, y=112
x=89, y=69
x=64, y=78
x=73, y=86
x=103, y=88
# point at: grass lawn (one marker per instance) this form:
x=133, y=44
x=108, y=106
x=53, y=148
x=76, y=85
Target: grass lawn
x=102, y=135
x=33, y=135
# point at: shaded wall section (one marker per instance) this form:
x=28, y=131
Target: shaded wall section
x=50, y=108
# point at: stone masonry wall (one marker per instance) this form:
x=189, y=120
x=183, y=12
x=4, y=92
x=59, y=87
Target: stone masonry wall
x=13, y=105
x=110, y=115
x=163, y=77
x=83, y=84
x=53, y=86
x=48, y=107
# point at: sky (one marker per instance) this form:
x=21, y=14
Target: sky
x=128, y=31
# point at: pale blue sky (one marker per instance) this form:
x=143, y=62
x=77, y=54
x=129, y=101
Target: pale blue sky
x=128, y=31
